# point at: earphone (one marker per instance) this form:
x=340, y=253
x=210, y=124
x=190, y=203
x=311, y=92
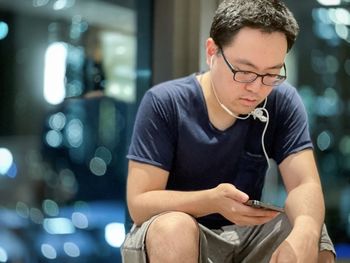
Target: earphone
x=258, y=113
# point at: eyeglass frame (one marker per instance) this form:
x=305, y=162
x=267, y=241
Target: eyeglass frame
x=234, y=72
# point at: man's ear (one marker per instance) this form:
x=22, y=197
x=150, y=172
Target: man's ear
x=211, y=50
x=211, y=47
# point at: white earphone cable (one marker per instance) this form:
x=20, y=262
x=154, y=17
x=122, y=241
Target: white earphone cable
x=263, y=137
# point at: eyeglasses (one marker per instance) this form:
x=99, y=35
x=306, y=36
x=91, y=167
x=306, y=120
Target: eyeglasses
x=249, y=76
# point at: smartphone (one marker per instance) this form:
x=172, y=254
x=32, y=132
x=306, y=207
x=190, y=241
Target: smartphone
x=262, y=205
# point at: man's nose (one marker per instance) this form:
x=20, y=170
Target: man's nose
x=255, y=85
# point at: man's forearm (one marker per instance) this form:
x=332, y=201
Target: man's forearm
x=145, y=205
x=305, y=208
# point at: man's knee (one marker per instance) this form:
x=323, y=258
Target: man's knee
x=173, y=232
x=173, y=226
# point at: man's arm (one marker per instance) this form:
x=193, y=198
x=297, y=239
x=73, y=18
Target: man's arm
x=146, y=196
x=304, y=205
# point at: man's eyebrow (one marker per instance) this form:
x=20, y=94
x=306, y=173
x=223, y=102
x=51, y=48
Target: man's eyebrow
x=250, y=64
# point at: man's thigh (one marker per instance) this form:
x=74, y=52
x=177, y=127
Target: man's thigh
x=252, y=243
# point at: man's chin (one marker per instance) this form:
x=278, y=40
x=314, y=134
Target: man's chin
x=246, y=110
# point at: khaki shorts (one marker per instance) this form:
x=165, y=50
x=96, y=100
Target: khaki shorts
x=229, y=244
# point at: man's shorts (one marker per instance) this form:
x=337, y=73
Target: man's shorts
x=229, y=244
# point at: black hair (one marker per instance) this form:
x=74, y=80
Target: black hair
x=267, y=15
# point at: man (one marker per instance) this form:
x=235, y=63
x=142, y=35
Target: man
x=200, y=147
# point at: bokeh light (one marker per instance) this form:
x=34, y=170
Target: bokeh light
x=4, y=30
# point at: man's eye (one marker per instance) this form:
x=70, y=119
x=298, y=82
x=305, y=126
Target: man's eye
x=246, y=72
x=272, y=76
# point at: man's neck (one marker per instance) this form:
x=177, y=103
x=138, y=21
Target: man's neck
x=217, y=116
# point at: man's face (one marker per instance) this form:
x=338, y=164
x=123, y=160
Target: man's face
x=253, y=51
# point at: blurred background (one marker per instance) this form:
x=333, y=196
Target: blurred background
x=73, y=73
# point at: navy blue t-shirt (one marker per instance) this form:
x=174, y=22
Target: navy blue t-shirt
x=172, y=131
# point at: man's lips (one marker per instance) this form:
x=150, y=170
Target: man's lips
x=248, y=101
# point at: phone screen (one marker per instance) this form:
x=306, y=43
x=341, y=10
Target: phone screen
x=262, y=205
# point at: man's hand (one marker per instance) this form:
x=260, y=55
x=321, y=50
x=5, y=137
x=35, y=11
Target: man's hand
x=230, y=204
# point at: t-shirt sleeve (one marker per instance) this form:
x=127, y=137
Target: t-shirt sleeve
x=153, y=139
x=292, y=129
